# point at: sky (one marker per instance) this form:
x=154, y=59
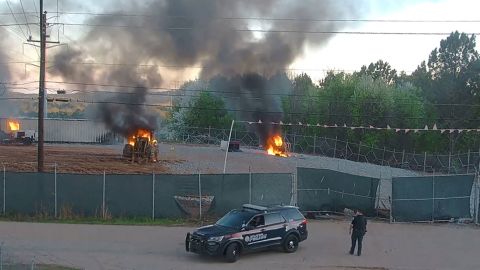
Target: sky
x=403, y=52
x=343, y=52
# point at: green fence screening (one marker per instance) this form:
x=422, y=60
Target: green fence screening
x=79, y=195
x=128, y=195
x=326, y=190
x=270, y=189
x=159, y=196
x=168, y=186
x=230, y=191
x=30, y=193
x=431, y=198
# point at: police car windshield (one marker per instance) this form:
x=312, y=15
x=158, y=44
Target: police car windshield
x=235, y=219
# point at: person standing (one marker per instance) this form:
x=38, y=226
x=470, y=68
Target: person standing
x=358, y=228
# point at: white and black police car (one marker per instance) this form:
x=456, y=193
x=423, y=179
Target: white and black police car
x=250, y=229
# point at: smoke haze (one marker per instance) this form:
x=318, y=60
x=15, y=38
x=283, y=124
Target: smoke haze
x=216, y=35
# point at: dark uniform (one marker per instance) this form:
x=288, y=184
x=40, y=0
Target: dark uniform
x=359, y=225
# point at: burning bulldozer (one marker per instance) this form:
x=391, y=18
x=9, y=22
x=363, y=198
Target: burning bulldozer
x=141, y=147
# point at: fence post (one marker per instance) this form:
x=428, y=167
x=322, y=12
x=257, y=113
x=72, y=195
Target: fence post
x=468, y=160
x=383, y=156
x=294, y=141
x=295, y=186
x=433, y=197
x=425, y=162
x=103, y=196
x=153, y=195
x=55, y=170
x=390, y=199
x=314, y=142
x=228, y=147
x=403, y=158
x=249, y=185
x=200, y=196
x=477, y=203
x=359, y=147
x=335, y=147
x=449, y=161
x=4, y=192
x=296, y=189
x=346, y=149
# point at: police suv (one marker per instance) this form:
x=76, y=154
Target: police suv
x=249, y=229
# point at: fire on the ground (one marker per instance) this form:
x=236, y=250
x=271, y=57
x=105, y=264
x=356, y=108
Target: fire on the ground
x=13, y=125
x=16, y=136
x=276, y=146
x=140, y=146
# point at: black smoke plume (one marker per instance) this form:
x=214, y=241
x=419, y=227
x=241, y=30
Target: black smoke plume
x=217, y=35
x=6, y=106
x=246, y=96
x=127, y=115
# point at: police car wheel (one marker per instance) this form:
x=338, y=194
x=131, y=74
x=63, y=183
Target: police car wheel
x=187, y=242
x=232, y=252
x=291, y=244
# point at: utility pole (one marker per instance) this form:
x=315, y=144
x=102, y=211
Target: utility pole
x=41, y=87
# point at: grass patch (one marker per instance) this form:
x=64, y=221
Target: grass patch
x=141, y=221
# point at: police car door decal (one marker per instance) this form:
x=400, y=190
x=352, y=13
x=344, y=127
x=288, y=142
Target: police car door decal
x=260, y=237
x=255, y=237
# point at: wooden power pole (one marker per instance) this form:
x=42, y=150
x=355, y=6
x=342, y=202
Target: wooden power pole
x=41, y=90
x=41, y=87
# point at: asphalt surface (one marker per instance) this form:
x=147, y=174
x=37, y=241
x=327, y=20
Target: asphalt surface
x=386, y=246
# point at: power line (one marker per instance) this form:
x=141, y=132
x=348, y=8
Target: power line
x=273, y=19
x=267, y=31
x=16, y=24
x=191, y=67
x=26, y=21
x=297, y=97
x=19, y=83
x=165, y=106
x=15, y=18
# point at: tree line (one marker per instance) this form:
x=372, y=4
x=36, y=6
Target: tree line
x=442, y=91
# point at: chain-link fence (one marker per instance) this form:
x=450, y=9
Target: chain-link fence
x=434, y=198
x=453, y=163
x=199, y=196
x=398, y=199
x=61, y=195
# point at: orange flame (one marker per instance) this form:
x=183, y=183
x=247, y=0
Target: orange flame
x=14, y=125
x=141, y=133
x=276, y=147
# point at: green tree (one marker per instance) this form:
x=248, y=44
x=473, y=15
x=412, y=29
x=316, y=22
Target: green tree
x=203, y=111
x=379, y=70
x=454, y=78
x=299, y=105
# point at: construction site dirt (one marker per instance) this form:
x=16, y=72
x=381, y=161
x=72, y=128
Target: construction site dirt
x=175, y=159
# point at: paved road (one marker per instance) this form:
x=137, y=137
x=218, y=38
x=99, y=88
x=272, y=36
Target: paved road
x=387, y=246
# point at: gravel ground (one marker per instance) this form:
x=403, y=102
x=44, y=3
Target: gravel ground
x=210, y=159
x=386, y=246
x=178, y=159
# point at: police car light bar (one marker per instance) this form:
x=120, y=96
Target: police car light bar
x=254, y=207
